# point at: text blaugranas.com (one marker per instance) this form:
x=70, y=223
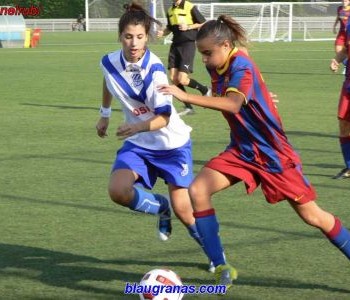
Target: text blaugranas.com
x=134, y=288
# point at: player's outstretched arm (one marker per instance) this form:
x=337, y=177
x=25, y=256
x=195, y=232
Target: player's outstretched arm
x=105, y=111
x=232, y=102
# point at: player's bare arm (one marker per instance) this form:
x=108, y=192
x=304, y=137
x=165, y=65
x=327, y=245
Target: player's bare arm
x=335, y=25
x=153, y=124
x=231, y=103
x=105, y=111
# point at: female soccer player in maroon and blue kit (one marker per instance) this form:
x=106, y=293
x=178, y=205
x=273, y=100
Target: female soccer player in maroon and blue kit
x=258, y=153
x=344, y=105
x=343, y=13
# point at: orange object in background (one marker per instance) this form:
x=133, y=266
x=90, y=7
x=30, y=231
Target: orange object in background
x=36, y=35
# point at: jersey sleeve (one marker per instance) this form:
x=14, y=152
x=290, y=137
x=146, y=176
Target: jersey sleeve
x=162, y=103
x=241, y=80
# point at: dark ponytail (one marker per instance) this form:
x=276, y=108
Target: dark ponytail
x=224, y=28
x=135, y=14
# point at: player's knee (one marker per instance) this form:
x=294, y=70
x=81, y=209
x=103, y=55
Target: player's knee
x=120, y=195
x=196, y=192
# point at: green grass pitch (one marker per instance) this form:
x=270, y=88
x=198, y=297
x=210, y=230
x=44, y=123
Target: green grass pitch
x=62, y=238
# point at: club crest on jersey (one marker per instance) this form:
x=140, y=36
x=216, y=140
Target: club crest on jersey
x=136, y=79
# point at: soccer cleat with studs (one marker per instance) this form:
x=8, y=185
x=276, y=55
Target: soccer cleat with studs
x=225, y=275
x=164, y=222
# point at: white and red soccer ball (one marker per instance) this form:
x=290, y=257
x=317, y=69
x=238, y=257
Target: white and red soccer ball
x=161, y=284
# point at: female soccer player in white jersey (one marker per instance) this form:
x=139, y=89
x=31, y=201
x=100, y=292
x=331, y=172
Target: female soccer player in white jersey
x=157, y=142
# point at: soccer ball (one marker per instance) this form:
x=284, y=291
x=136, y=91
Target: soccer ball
x=161, y=284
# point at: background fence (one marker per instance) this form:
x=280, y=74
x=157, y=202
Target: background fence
x=274, y=21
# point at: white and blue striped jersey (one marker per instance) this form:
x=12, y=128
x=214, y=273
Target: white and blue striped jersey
x=135, y=86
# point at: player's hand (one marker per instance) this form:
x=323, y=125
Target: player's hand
x=172, y=90
x=126, y=130
x=334, y=66
x=160, y=33
x=102, y=126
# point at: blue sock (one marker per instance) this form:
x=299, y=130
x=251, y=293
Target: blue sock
x=340, y=237
x=192, y=230
x=345, y=61
x=208, y=229
x=148, y=203
x=345, y=148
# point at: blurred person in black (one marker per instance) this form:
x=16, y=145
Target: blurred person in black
x=183, y=21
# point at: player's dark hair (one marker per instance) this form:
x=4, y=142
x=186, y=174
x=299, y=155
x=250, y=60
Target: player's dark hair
x=135, y=14
x=222, y=29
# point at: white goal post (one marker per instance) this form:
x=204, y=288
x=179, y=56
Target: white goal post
x=263, y=21
x=279, y=21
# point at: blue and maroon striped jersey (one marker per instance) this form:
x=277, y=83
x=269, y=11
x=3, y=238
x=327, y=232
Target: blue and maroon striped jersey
x=343, y=14
x=257, y=135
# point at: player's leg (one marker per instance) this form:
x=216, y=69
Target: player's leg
x=183, y=63
x=130, y=168
x=344, y=140
x=177, y=170
x=207, y=183
x=122, y=190
x=331, y=226
x=181, y=204
x=187, y=52
x=194, y=84
x=174, y=77
x=173, y=64
x=344, y=130
x=185, y=80
x=188, y=106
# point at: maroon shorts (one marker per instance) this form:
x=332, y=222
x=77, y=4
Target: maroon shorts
x=344, y=102
x=340, y=39
x=291, y=184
